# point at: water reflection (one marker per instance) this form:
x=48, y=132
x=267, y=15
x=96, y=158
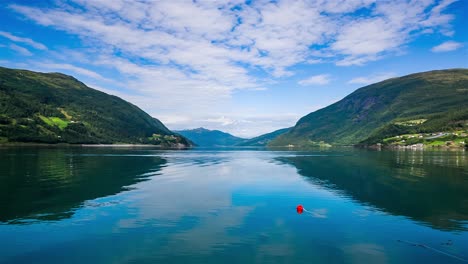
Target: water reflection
x=49, y=184
x=230, y=206
x=430, y=187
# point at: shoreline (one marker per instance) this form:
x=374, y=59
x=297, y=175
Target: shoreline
x=35, y=144
x=183, y=147
x=411, y=147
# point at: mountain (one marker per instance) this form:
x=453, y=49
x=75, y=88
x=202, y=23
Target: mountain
x=264, y=139
x=57, y=108
x=423, y=102
x=210, y=138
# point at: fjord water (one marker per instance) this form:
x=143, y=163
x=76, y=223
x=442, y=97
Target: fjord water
x=104, y=205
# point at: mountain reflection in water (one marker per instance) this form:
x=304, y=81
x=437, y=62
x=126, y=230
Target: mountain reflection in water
x=430, y=187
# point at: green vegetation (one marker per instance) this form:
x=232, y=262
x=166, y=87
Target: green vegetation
x=414, y=122
x=429, y=102
x=55, y=121
x=442, y=139
x=56, y=108
x=210, y=138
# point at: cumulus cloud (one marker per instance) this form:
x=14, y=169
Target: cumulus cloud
x=320, y=79
x=372, y=78
x=187, y=58
x=447, y=46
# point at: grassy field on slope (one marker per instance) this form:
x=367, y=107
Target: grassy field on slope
x=57, y=108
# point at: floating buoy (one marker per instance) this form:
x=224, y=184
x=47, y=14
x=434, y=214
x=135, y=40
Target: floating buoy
x=300, y=209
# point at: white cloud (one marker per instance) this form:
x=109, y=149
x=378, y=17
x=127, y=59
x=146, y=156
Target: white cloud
x=320, y=79
x=223, y=121
x=21, y=50
x=447, y=46
x=372, y=78
x=27, y=41
x=368, y=37
x=273, y=36
x=393, y=24
x=187, y=58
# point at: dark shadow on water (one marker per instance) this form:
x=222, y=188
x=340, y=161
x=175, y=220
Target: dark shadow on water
x=429, y=187
x=51, y=183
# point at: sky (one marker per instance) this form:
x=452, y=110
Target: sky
x=244, y=67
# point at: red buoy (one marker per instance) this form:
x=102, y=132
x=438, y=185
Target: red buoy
x=300, y=209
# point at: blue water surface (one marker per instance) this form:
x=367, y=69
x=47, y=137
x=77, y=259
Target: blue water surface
x=111, y=205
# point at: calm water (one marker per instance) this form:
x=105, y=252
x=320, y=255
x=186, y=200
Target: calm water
x=91, y=205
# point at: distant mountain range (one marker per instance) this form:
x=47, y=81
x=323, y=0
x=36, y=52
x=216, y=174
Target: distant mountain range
x=264, y=139
x=214, y=138
x=56, y=108
x=210, y=138
x=418, y=103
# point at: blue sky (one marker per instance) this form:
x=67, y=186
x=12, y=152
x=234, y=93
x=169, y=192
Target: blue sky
x=245, y=67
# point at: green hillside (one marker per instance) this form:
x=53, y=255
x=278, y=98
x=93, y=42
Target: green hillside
x=425, y=102
x=57, y=108
x=210, y=138
x=264, y=139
